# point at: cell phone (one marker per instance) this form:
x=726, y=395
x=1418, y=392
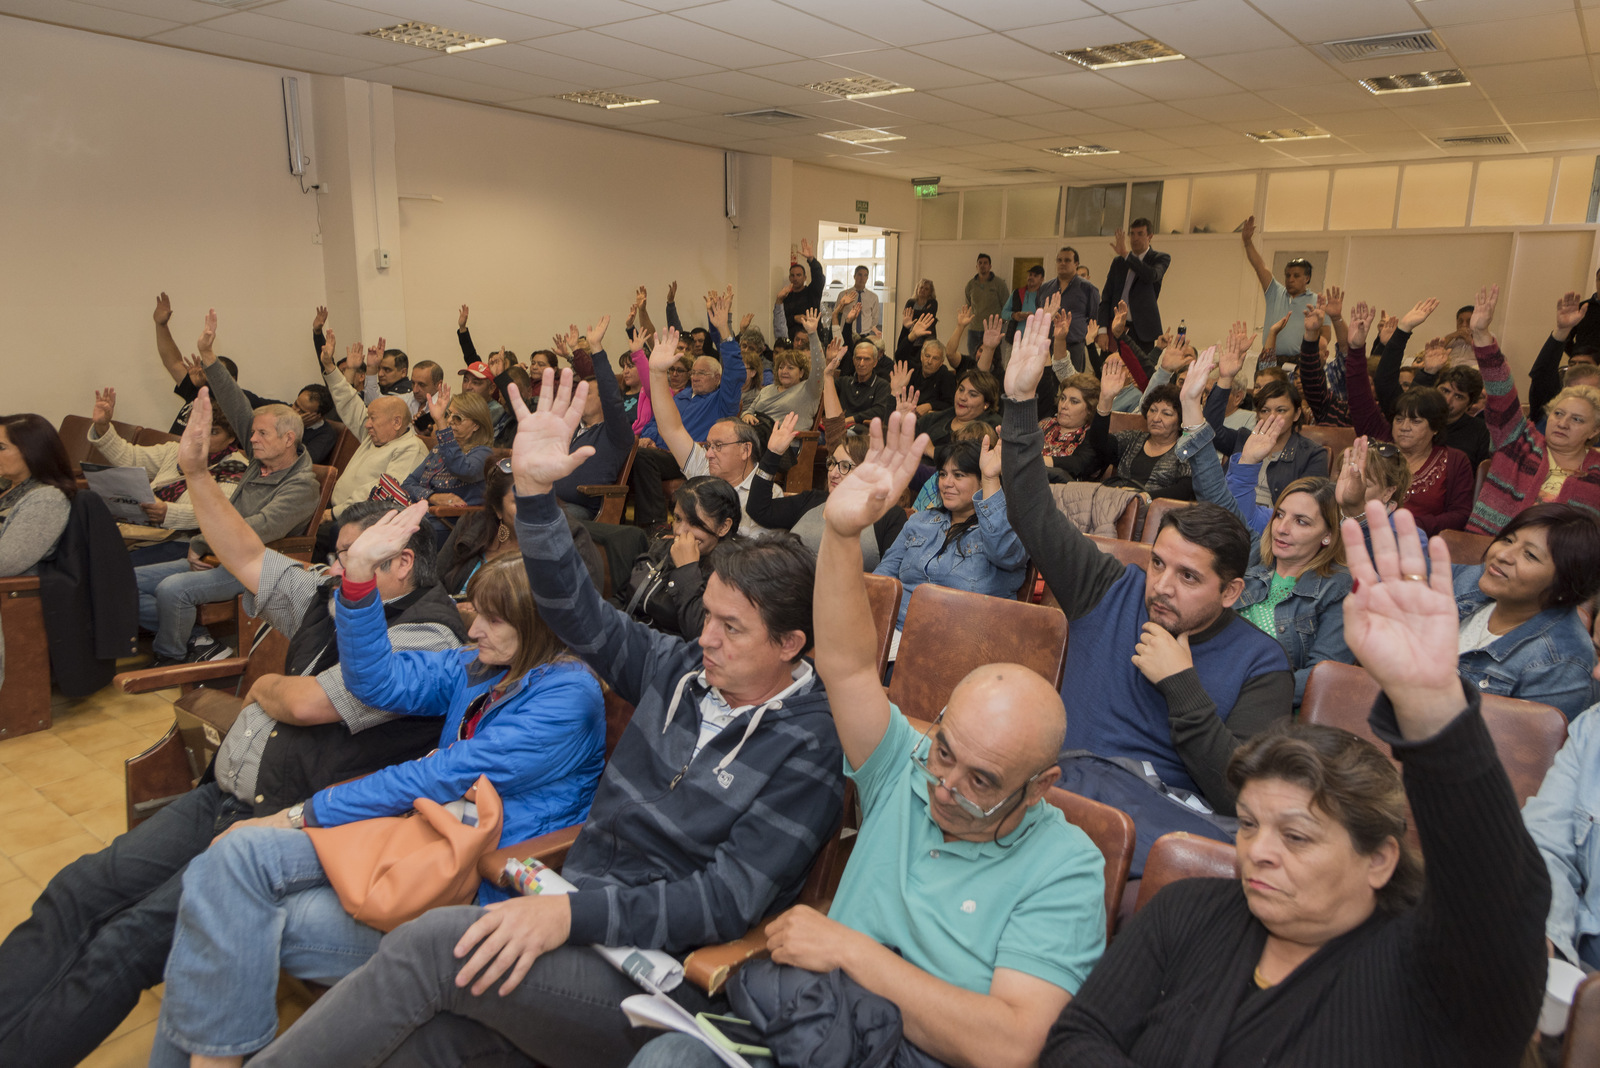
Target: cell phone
x=732, y=1033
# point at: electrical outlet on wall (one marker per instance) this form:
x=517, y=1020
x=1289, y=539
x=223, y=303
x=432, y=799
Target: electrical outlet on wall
x=383, y=259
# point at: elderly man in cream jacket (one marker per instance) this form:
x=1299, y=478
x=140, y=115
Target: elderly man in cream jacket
x=388, y=445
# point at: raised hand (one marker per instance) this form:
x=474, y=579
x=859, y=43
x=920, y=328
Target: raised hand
x=1119, y=243
x=744, y=322
x=922, y=327
x=497, y=362
x=672, y=292
x=196, y=370
x=383, y=541
x=1332, y=302
x=1239, y=342
x=964, y=316
x=899, y=377
x=722, y=308
x=1401, y=622
x=665, y=354
x=1483, y=314
x=989, y=464
x=992, y=332
x=327, y=353
x=1119, y=319
x=877, y=482
x=196, y=440
x=1173, y=359
x=574, y=335
x=559, y=343
x=541, y=453
x=1387, y=325
x=1313, y=317
x=1417, y=315
x=1194, y=386
x=439, y=406
x=641, y=341
x=1263, y=439
x=1351, y=489
x=320, y=317
x=1275, y=329
x=783, y=433
x=1360, y=323
x=907, y=314
x=852, y=313
x=374, y=357
x=905, y=400
x=163, y=310
x=1247, y=230
x=596, y=334
x=1030, y=355
x=1060, y=323
x=846, y=298
x=1569, y=313
x=1435, y=355
x=787, y=290
x=806, y=251
x=1113, y=380
x=208, y=336
x=461, y=319
x=1052, y=303
x=810, y=318
x=834, y=355
x=105, y=406
x=640, y=297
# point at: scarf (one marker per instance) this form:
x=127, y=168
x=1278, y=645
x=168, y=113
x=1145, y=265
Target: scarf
x=222, y=469
x=1058, y=442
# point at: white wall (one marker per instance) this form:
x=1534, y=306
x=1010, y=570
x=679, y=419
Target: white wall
x=127, y=169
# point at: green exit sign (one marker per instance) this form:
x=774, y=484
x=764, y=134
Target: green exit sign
x=926, y=190
x=861, y=205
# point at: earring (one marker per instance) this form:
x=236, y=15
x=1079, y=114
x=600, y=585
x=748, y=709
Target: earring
x=1326, y=541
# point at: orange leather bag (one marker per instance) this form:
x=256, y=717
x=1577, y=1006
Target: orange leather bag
x=392, y=869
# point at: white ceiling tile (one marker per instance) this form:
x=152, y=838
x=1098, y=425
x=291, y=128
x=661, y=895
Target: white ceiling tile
x=895, y=22
x=1390, y=142
x=926, y=107
x=566, y=109
x=927, y=134
x=466, y=16
x=1209, y=27
x=1075, y=33
x=323, y=13
x=368, y=50
x=586, y=14
x=760, y=92
x=1199, y=135
x=519, y=82
x=1553, y=107
x=279, y=55
x=798, y=72
x=590, y=47
x=1514, y=40
x=1016, y=14
x=442, y=85
x=842, y=114
x=672, y=34
x=89, y=17
x=687, y=96
x=766, y=20
x=1456, y=12
x=549, y=65
x=1082, y=89
x=1076, y=124
x=996, y=128
x=1143, y=115
x=1275, y=68
x=181, y=11
x=1379, y=120
x=1583, y=133
x=908, y=68
x=1178, y=80
x=993, y=53
x=1312, y=22
x=998, y=98
x=1240, y=107
x=1343, y=96
x=1426, y=115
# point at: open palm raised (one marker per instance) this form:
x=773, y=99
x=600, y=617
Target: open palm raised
x=542, y=453
x=875, y=486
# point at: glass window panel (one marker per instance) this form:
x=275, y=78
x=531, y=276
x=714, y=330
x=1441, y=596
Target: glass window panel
x=939, y=215
x=1095, y=209
x=1032, y=212
x=980, y=214
x=1296, y=200
x=1175, y=202
x=1512, y=192
x=1145, y=203
x=1574, y=183
x=1221, y=202
x=1434, y=194
x=1363, y=198
x=879, y=248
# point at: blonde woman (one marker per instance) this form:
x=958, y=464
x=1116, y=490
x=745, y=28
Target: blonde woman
x=452, y=474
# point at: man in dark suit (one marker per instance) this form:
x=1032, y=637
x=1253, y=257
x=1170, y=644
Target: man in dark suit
x=1135, y=277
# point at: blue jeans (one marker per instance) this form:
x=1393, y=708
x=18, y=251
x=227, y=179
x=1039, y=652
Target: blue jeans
x=254, y=901
x=170, y=593
x=675, y=1050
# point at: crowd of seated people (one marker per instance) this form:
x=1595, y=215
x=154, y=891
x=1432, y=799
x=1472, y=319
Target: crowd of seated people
x=465, y=625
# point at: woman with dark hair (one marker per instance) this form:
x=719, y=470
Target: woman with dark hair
x=966, y=542
x=977, y=400
x=801, y=513
x=1334, y=948
x=38, y=486
x=1147, y=459
x=1521, y=634
x=1077, y=437
x=518, y=709
x=669, y=578
x=1293, y=456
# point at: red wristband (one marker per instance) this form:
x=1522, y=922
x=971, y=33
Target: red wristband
x=354, y=591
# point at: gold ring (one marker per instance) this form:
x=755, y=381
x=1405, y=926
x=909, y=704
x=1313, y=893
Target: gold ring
x=1416, y=578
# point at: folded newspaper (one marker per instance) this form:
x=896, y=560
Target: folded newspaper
x=652, y=969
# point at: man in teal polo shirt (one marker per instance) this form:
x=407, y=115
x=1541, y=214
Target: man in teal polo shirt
x=969, y=901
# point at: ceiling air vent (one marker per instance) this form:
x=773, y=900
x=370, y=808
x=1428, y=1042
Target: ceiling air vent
x=1081, y=150
x=861, y=87
x=766, y=116
x=861, y=137
x=599, y=99
x=1382, y=46
x=1414, y=83
x=436, y=38
x=1474, y=141
x=1126, y=54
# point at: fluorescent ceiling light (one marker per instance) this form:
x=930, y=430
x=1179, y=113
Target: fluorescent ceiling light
x=610, y=101
x=1308, y=134
x=1126, y=54
x=435, y=38
x=1414, y=83
x=862, y=87
x=862, y=137
x=1082, y=150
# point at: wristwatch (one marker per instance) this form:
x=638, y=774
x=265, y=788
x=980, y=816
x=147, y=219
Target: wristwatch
x=297, y=816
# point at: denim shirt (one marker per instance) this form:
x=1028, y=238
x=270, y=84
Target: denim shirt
x=988, y=560
x=1561, y=819
x=1309, y=623
x=1550, y=658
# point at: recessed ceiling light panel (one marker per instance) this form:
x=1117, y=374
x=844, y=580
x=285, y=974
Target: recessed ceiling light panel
x=1414, y=83
x=1126, y=54
x=600, y=99
x=862, y=136
x=859, y=88
x=436, y=38
x=1082, y=150
x=1306, y=134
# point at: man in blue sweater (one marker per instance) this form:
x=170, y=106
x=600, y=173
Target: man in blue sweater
x=721, y=791
x=1163, y=680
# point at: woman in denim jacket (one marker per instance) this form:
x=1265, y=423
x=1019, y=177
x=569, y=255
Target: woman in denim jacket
x=1295, y=586
x=1521, y=635
x=1561, y=819
x=966, y=541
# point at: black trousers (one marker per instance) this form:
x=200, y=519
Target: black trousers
x=650, y=468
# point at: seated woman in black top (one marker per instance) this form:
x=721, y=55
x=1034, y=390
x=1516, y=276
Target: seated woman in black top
x=977, y=400
x=1334, y=948
x=801, y=513
x=1076, y=437
x=669, y=579
x=1146, y=459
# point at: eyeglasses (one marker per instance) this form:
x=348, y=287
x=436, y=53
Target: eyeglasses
x=965, y=804
x=336, y=559
x=844, y=467
x=718, y=446
x=456, y=419
x=1386, y=449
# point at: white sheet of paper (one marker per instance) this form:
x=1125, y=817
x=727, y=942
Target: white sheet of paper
x=660, y=1011
x=123, y=489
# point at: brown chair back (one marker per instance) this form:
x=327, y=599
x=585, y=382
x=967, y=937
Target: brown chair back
x=1335, y=439
x=1184, y=856
x=802, y=475
x=1581, y=1047
x=950, y=632
x=1465, y=548
x=883, y=597
x=151, y=436
x=1126, y=552
x=25, y=693
x=1121, y=421
x=74, y=432
x=1128, y=521
x=1112, y=832
x=1527, y=735
x=345, y=449
x=326, y=477
x=1152, y=517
